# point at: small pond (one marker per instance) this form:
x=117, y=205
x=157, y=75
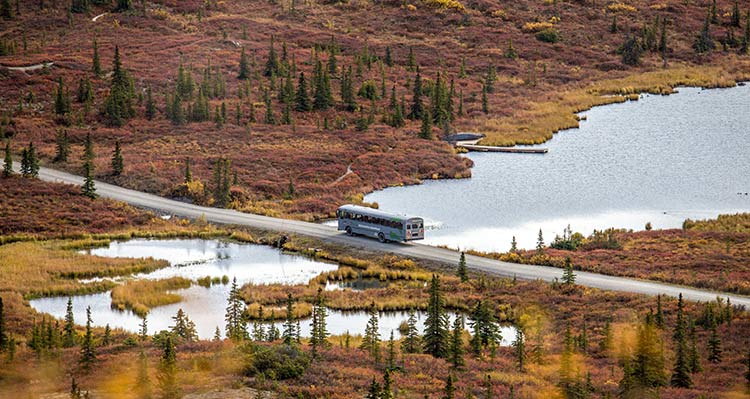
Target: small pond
x=197, y=258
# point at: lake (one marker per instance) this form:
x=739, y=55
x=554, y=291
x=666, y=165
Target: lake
x=661, y=159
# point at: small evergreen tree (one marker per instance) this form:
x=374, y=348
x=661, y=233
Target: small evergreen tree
x=6, y=10
x=435, y=337
x=88, y=352
x=411, y=343
x=236, y=328
x=69, y=339
x=485, y=102
x=150, y=104
x=273, y=66
x=511, y=52
x=62, y=146
x=188, y=174
x=117, y=161
x=8, y=160
x=456, y=345
x=167, y=373
x=450, y=389
x=124, y=5
x=703, y=42
x=244, y=66
x=519, y=347
x=302, y=99
x=118, y=107
x=417, y=108
x=374, y=391
x=371, y=339
x=569, y=277
x=714, y=346
x=631, y=51
x=425, y=132
x=290, y=330
x=95, y=61
x=462, y=272
x=89, y=188
x=62, y=100
x=681, y=371
x=540, y=243
x=391, y=361
x=745, y=42
x=513, y=245
x=80, y=6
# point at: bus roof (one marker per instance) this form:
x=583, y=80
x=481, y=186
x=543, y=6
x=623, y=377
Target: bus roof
x=375, y=212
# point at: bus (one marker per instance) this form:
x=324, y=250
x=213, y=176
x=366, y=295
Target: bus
x=360, y=220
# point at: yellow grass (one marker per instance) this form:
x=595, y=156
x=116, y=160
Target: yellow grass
x=142, y=295
x=43, y=269
x=537, y=121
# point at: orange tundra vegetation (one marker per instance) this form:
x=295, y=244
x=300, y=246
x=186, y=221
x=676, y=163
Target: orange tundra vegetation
x=291, y=162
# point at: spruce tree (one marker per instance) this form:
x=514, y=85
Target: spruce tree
x=30, y=165
x=417, y=108
x=188, y=174
x=681, y=371
x=124, y=5
x=62, y=100
x=143, y=329
x=425, y=132
x=540, y=243
x=69, y=339
x=290, y=329
x=714, y=346
x=374, y=391
x=703, y=42
x=411, y=342
x=302, y=99
x=519, y=348
x=167, y=373
x=89, y=188
x=6, y=11
x=8, y=160
x=745, y=42
x=117, y=161
x=694, y=360
x=513, y=245
x=450, y=389
x=485, y=102
x=456, y=344
x=107, y=338
x=236, y=328
x=461, y=271
x=273, y=66
x=95, y=61
x=435, y=337
x=486, y=333
x=569, y=277
x=150, y=105
x=85, y=92
x=80, y=6
x=143, y=382
x=371, y=339
x=244, y=66
x=88, y=352
x=391, y=361
x=659, y=317
x=645, y=370
x=118, y=107
x=322, y=99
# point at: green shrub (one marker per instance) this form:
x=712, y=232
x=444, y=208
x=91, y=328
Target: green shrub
x=278, y=362
x=549, y=35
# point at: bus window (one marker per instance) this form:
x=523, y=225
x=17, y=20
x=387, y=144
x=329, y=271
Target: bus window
x=408, y=227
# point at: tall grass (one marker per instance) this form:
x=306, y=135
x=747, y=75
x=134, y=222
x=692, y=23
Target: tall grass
x=142, y=295
x=537, y=121
x=42, y=269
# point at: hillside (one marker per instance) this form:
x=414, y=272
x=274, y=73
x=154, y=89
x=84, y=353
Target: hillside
x=538, y=62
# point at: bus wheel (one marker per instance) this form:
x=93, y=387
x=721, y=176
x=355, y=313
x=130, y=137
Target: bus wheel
x=349, y=231
x=381, y=237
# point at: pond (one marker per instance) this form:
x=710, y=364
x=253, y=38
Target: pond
x=197, y=258
x=661, y=159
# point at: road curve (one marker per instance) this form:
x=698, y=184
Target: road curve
x=418, y=251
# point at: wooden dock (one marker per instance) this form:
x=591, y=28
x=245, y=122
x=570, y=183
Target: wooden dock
x=517, y=150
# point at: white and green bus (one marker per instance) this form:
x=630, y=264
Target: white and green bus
x=360, y=220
